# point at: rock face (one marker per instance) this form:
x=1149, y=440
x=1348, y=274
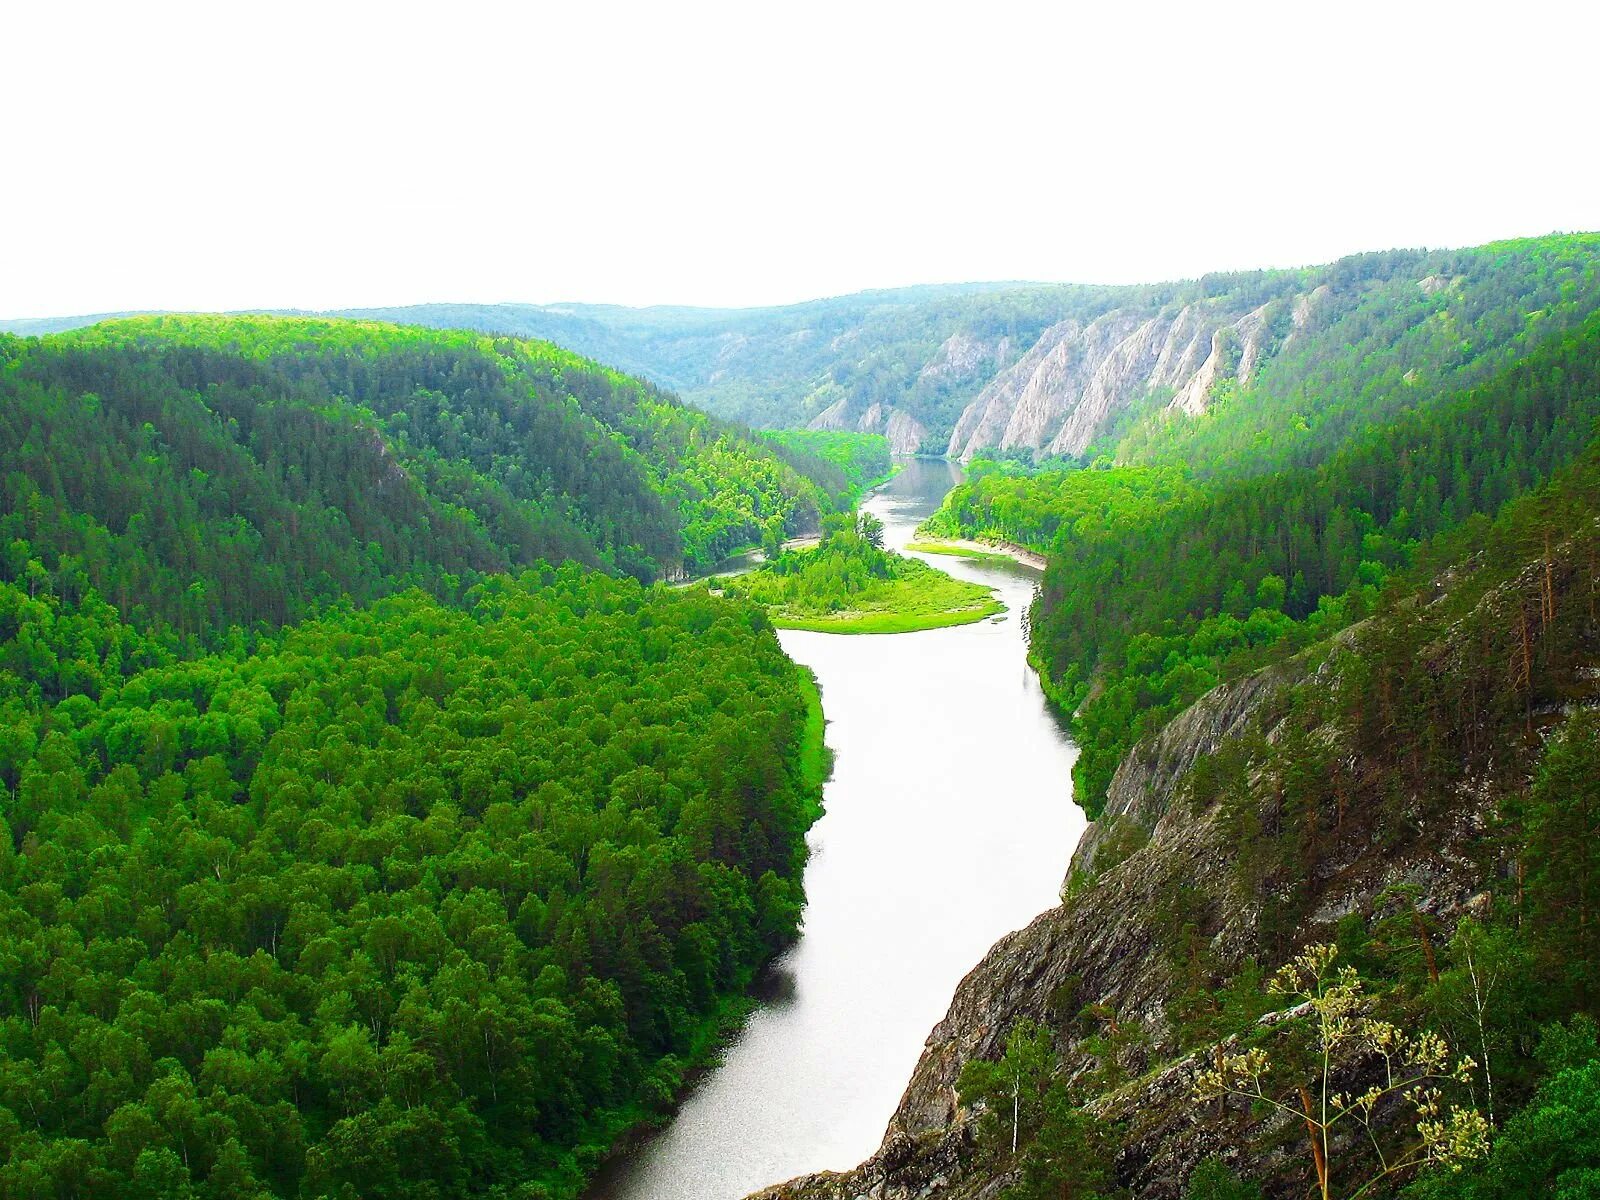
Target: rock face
x=963, y=356
x=1141, y=790
x=961, y=365
x=1079, y=376
x=905, y=432
x=1105, y=945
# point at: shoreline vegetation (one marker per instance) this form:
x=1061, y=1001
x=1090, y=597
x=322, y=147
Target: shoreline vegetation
x=849, y=583
x=864, y=463
x=862, y=460
x=622, y=1133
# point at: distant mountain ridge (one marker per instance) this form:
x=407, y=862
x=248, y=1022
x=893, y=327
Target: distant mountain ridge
x=1083, y=370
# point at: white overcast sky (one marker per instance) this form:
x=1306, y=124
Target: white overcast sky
x=228, y=155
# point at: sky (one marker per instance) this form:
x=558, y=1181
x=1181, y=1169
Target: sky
x=236, y=155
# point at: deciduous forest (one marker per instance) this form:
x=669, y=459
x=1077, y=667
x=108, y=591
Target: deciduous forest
x=348, y=845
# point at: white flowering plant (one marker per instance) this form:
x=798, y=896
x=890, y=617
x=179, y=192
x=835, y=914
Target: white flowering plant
x=1411, y=1068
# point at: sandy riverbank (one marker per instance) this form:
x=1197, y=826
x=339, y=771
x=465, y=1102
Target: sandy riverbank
x=967, y=548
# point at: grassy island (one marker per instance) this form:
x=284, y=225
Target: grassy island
x=850, y=584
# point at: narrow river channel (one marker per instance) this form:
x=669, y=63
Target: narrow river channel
x=949, y=823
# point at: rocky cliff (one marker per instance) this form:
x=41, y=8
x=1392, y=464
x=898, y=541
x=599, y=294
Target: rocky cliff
x=906, y=434
x=1079, y=377
x=959, y=367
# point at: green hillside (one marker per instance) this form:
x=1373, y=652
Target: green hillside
x=1377, y=837
x=1339, y=345
x=1329, y=348
x=213, y=471
x=349, y=846
x=1162, y=582
x=1417, y=800
x=410, y=897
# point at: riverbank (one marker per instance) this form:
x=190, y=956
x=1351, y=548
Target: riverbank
x=889, y=622
x=982, y=551
x=742, y=562
x=619, y=1134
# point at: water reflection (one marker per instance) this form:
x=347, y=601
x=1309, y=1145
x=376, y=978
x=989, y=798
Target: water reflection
x=777, y=987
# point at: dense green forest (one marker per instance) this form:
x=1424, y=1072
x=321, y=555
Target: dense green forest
x=422, y=899
x=1161, y=582
x=849, y=583
x=208, y=472
x=1461, y=709
x=861, y=458
x=339, y=853
x=1395, y=331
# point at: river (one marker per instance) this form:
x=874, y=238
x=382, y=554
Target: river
x=949, y=823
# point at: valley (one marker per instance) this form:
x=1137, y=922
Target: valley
x=945, y=817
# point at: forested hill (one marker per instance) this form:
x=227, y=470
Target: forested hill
x=365, y=828
x=409, y=901
x=1336, y=933
x=1334, y=691
x=1162, y=583
x=210, y=471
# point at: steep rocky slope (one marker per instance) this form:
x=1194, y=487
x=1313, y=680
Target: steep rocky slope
x=1079, y=378
x=1106, y=945
x=1059, y=369
x=906, y=434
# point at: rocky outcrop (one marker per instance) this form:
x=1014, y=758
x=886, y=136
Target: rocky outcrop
x=963, y=356
x=905, y=433
x=1191, y=400
x=1305, y=308
x=1072, y=384
x=961, y=365
x=1145, y=782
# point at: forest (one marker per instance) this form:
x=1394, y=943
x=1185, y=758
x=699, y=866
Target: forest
x=1389, y=330
x=861, y=458
x=1347, y=343
x=1393, y=332
x=208, y=472
x=367, y=825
